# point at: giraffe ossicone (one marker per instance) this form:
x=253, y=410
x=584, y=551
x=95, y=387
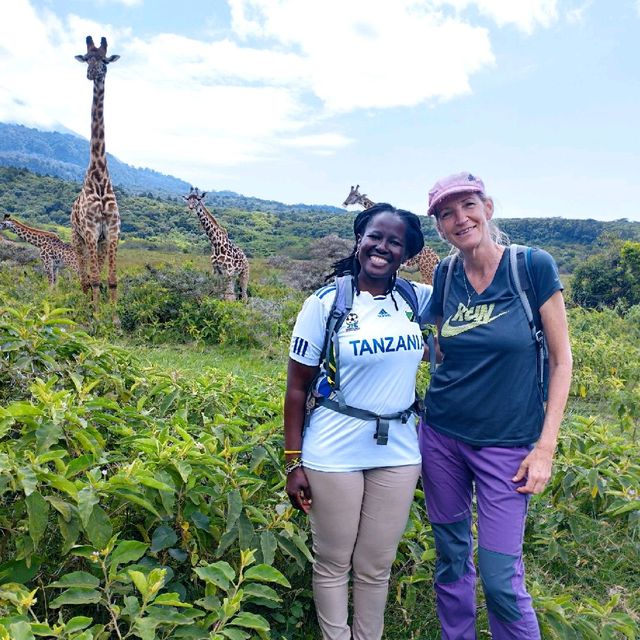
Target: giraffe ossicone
x=426, y=261
x=227, y=259
x=54, y=252
x=95, y=219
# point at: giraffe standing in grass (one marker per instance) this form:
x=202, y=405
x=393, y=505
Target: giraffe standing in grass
x=425, y=262
x=95, y=219
x=226, y=258
x=54, y=253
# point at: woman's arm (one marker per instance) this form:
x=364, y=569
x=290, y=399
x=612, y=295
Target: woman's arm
x=537, y=465
x=299, y=378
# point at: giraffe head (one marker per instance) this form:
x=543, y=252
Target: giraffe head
x=5, y=223
x=195, y=197
x=354, y=197
x=96, y=58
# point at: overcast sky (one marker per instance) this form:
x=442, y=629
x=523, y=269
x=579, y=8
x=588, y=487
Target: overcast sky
x=296, y=100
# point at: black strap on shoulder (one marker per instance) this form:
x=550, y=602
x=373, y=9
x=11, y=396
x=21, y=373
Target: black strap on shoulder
x=408, y=293
x=521, y=272
x=342, y=304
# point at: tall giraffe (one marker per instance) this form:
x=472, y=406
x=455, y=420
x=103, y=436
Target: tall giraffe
x=425, y=261
x=95, y=220
x=226, y=258
x=54, y=253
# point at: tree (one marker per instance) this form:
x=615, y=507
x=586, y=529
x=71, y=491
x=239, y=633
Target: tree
x=610, y=278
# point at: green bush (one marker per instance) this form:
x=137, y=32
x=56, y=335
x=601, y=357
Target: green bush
x=142, y=503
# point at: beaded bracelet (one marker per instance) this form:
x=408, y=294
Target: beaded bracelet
x=293, y=464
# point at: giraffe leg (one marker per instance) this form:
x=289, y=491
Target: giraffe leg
x=79, y=248
x=244, y=281
x=49, y=269
x=230, y=293
x=112, y=277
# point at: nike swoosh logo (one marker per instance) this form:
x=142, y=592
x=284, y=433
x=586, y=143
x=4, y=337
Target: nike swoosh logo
x=448, y=331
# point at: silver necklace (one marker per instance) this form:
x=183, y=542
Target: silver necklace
x=466, y=288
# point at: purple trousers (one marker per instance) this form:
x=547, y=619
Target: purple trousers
x=450, y=471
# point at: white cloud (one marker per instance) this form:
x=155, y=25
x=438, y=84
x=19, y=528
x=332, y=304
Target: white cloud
x=576, y=15
x=524, y=14
x=174, y=101
x=364, y=54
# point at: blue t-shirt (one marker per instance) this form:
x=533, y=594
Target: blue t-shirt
x=486, y=392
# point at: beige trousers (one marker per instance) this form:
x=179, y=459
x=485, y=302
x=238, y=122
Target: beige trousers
x=357, y=520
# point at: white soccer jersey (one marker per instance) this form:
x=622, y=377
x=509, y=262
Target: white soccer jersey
x=380, y=351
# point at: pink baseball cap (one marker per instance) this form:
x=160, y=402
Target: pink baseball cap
x=457, y=183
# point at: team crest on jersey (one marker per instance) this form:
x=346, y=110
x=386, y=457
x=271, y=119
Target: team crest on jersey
x=409, y=315
x=351, y=322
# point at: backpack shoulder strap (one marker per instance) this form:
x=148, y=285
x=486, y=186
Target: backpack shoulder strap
x=341, y=306
x=406, y=290
x=520, y=263
x=522, y=275
x=448, y=263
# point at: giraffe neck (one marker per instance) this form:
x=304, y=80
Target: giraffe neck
x=36, y=237
x=366, y=202
x=97, y=153
x=216, y=234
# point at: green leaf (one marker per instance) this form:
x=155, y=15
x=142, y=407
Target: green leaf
x=250, y=621
x=79, y=464
x=163, y=537
x=171, y=600
x=140, y=581
x=87, y=500
x=268, y=545
x=61, y=484
x=136, y=498
x=80, y=579
x=127, y=551
x=633, y=505
x=259, y=454
x=235, y=633
x=22, y=409
x=21, y=631
x=261, y=591
x=148, y=481
x=246, y=532
x=76, y=596
x=99, y=529
x=219, y=573
x=234, y=508
x=18, y=570
x=266, y=573
x=38, y=511
x=61, y=506
x=77, y=624
x=27, y=478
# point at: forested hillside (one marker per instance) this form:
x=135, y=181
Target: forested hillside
x=65, y=156
x=265, y=228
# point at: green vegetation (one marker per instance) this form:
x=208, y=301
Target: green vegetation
x=141, y=484
x=264, y=228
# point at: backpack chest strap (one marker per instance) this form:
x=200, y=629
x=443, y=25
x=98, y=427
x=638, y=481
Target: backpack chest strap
x=382, y=420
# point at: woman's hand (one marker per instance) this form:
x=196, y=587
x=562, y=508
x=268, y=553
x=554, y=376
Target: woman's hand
x=536, y=468
x=298, y=490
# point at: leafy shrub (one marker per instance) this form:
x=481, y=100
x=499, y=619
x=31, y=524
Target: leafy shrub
x=178, y=304
x=142, y=502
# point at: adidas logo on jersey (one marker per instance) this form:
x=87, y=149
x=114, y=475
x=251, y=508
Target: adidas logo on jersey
x=383, y=314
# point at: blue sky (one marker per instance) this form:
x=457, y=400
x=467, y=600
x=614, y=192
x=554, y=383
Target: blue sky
x=296, y=100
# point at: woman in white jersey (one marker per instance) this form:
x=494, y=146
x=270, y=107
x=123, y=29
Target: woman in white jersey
x=356, y=488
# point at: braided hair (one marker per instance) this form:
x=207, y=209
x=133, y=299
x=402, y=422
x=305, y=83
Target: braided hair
x=414, y=240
